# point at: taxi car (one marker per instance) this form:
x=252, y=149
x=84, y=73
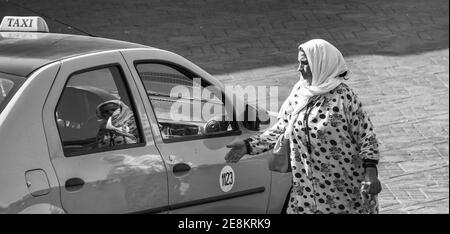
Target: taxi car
x=51, y=86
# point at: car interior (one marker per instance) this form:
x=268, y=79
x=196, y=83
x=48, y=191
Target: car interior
x=76, y=116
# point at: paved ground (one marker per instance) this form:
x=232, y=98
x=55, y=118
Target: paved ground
x=397, y=50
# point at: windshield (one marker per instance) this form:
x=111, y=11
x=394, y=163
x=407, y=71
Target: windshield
x=8, y=86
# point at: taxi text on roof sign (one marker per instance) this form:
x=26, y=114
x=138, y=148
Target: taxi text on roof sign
x=24, y=24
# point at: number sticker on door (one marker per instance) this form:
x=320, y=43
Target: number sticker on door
x=227, y=178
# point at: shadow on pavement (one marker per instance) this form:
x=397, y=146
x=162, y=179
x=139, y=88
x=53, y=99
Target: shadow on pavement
x=224, y=37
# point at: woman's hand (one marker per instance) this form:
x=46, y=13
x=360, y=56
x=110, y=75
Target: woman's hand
x=238, y=150
x=371, y=183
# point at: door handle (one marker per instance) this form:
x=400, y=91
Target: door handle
x=74, y=184
x=181, y=169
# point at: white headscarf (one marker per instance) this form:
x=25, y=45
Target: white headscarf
x=326, y=63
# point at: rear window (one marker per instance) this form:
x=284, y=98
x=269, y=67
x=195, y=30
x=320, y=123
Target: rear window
x=8, y=86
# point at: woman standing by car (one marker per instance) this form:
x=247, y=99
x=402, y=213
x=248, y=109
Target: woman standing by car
x=334, y=151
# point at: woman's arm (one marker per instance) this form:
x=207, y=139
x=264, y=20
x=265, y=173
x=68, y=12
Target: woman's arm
x=262, y=142
x=254, y=145
x=361, y=129
x=266, y=140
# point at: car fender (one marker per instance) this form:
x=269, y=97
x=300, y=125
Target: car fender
x=279, y=192
x=42, y=208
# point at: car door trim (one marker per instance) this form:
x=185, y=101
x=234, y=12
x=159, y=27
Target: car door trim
x=204, y=201
x=198, y=137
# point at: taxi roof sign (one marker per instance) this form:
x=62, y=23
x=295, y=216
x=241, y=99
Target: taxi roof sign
x=23, y=24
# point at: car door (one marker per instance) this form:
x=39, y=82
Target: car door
x=200, y=181
x=100, y=140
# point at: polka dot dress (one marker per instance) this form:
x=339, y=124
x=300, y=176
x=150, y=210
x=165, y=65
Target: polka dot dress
x=327, y=166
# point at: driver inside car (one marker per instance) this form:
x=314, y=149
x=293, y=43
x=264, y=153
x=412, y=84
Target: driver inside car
x=118, y=125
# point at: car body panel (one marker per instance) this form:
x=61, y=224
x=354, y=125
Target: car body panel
x=280, y=188
x=23, y=144
x=119, y=181
x=42, y=208
x=23, y=52
x=138, y=179
x=198, y=190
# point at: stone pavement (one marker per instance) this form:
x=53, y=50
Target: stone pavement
x=397, y=50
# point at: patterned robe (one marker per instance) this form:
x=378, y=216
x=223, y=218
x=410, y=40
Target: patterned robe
x=327, y=178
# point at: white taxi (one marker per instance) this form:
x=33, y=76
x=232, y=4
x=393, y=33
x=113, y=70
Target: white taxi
x=62, y=98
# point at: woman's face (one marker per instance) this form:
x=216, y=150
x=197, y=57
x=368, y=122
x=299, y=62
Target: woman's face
x=303, y=66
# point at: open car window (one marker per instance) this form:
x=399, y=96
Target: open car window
x=185, y=105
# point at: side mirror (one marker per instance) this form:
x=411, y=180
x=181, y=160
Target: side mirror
x=254, y=118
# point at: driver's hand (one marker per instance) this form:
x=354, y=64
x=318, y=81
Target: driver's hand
x=238, y=150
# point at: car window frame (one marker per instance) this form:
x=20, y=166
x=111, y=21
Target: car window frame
x=188, y=73
x=133, y=108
